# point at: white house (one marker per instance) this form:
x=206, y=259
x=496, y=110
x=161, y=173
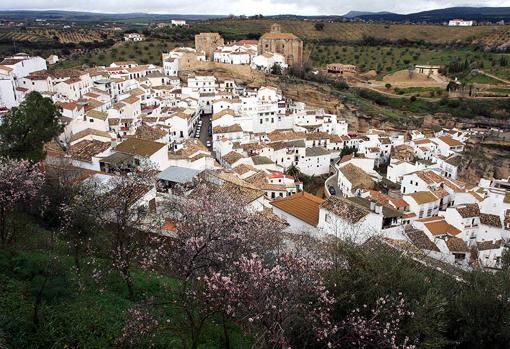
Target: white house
x=452, y=249
x=357, y=219
x=448, y=145
x=459, y=23
x=143, y=150
x=135, y=37
x=267, y=60
x=14, y=68
x=449, y=165
x=316, y=161
x=52, y=59
x=466, y=218
x=423, y=203
x=178, y=22
x=352, y=180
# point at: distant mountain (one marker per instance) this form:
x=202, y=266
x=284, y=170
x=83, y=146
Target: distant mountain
x=480, y=14
x=353, y=14
x=75, y=16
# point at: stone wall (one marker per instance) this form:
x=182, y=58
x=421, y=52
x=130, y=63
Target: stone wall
x=208, y=42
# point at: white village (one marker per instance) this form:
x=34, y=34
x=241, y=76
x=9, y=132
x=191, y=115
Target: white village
x=191, y=123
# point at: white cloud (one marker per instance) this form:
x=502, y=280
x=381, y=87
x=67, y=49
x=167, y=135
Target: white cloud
x=248, y=7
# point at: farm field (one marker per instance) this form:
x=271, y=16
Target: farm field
x=71, y=35
x=340, y=31
x=46, y=41
x=496, y=39
x=388, y=59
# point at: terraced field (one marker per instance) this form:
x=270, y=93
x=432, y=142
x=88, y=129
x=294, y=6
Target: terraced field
x=351, y=31
x=388, y=59
x=75, y=35
x=499, y=39
x=143, y=52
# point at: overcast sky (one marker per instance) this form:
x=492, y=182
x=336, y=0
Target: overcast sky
x=248, y=7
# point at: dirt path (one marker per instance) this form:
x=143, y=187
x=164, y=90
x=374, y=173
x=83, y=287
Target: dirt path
x=494, y=77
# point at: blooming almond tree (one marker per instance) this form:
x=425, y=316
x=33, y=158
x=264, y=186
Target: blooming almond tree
x=79, y=223
x=377, y=326
x=127, y=218
x=213, y=230
x=282, y=302
x=20, y=183
x=229, y=267
x=139, y=323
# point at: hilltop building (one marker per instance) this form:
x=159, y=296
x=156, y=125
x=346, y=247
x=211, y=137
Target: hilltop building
x=178, y=22
x=52, y=59
x=134, y=37
x=427, y=69
x=287, y=44
x=460, y=23
x=339, y=68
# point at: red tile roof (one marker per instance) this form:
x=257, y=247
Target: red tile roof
x=303, y=206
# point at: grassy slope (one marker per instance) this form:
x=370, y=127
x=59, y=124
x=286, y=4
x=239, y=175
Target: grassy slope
x=78, y=312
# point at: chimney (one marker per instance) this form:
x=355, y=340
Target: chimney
x=372, y=206
x=378, y=209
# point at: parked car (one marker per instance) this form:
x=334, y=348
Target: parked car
x=332, y=190
x=208, y=144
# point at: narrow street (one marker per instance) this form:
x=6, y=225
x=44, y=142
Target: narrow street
x=204, y=131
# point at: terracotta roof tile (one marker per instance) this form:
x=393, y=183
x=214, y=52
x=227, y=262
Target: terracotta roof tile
x=468, y=210
x=420, y=239
x=423, y=197
x=441, y=227
x=345, y=209
x=138, y=146
x=456, y=245
x=303, y=206
x=490, y=219
x=357, y=177
x=228, y=129
x=450, y=141
x=86, y=149
x=488, y=245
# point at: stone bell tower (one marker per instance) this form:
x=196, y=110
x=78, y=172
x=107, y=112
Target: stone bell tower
x=276, y=28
